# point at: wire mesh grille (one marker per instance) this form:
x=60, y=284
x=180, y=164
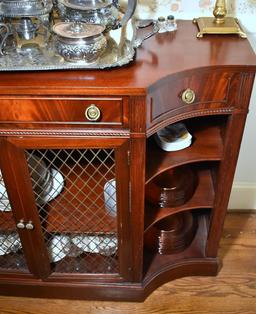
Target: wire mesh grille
x=75, y=194
x=11, y=255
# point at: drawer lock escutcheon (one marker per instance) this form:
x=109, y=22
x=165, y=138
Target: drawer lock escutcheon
x=92, y=113
x=188, y=96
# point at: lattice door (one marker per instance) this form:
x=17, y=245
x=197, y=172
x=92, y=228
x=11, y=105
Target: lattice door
x=11, y=253
x=76, y=198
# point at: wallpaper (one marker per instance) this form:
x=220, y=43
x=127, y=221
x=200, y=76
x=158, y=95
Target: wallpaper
x=187, y=9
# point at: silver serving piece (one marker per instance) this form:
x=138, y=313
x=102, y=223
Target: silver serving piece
x=77, y=41
x=104, y=12
x=4, y=33
x=15, y=8
x=28, y=42
x=26, y=29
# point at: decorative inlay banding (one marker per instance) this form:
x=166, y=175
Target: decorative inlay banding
x=56, y=133
x=188, y=115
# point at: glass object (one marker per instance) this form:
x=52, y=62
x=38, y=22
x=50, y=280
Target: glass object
x=161, y=23
x=171, y=24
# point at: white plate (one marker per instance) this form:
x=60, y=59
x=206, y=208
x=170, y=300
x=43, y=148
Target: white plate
x=105, y=245
x=110, y=197
x=9, y=243
x=60, y=246
x=56, y=186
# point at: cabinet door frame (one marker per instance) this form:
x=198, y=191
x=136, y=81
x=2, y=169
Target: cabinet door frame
x=25, y=205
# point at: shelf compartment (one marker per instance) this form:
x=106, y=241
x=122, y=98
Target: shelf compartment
x=157, y=263
x=203, y=198
x=207, y=145
x=172, y=234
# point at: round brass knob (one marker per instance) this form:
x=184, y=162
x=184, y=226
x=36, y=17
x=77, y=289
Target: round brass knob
x=29, y=225
x=20, y=224
x=188, y=96
x=92, y=113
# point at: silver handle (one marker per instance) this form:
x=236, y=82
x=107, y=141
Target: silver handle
x=20, y=224
x=4, y=37
x=29, y=225
x=138, y=41
x=131, y=6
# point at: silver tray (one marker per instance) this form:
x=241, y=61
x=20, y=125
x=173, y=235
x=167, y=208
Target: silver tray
x=33, y=57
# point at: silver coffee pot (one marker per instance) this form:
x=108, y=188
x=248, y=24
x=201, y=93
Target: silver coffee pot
x=104, y=12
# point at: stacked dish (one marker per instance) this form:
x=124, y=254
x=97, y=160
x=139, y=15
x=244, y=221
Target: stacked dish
x=172, y=234
x=110, y=197
x=47, y=183
x=61, y=246
x=10, y=243
x=173, y=187
x=173, y=137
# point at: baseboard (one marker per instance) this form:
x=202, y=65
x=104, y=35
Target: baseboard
x=243, y=196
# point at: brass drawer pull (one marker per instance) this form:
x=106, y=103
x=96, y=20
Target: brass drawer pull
x=188, y=96
x=92, y=113
x=29, y=225
x=20, y=224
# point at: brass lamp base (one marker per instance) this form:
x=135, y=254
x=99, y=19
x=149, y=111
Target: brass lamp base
x=208, y=25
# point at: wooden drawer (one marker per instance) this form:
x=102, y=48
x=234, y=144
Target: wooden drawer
x=60, y=111
x=211, y=90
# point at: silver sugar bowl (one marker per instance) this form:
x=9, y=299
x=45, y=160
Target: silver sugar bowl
x=78, y=41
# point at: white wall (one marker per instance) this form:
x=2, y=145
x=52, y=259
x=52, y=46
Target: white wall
x=243, y=194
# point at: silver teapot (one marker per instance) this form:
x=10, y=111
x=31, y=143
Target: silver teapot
x=103, y=12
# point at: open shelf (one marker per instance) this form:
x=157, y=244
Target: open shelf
x=203, y=197
x=207, y=145
x=155, y=263
x=70, y=213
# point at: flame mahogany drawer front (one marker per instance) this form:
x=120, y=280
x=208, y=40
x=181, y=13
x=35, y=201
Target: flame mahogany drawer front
x=91, y=112
x=192, y=90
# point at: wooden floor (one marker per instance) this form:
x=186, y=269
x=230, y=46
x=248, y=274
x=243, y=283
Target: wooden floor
x=233, y=291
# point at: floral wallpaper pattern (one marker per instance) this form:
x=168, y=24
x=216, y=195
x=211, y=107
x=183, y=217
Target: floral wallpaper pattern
x=187, y=9
x=200, y=6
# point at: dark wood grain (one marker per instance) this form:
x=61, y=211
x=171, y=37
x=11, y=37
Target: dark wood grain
x=45, y=110
x=159, y=57
x=62, y=111
x=235, y=282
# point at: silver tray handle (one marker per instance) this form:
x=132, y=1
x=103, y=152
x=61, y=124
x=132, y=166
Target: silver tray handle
x=3, y=40
x=138, y=41
x=131, y=7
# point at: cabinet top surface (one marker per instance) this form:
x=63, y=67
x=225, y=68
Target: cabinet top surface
x=159, y=56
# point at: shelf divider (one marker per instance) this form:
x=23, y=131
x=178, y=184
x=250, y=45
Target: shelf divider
x=203, y=197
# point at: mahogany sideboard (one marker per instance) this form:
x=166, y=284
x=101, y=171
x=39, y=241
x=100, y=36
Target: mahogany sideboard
x=81, y=171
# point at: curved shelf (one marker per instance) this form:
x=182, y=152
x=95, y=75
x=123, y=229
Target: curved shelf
x=156, y=264
x=207, y=145
x=203, y=198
